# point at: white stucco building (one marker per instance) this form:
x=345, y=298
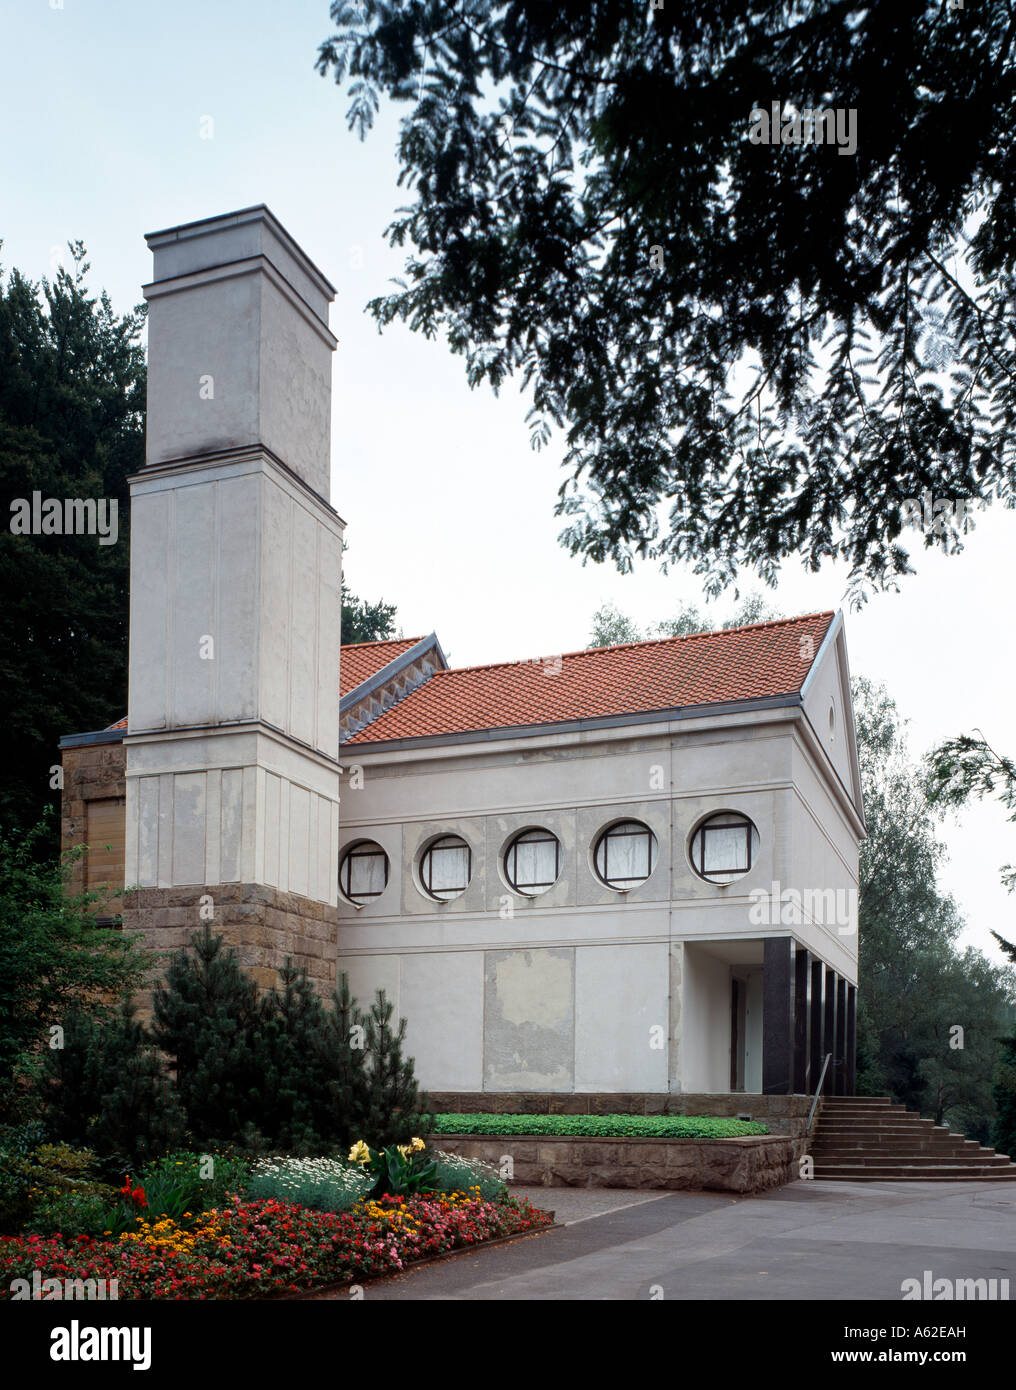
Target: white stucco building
x=575, y=874
x=632, y=869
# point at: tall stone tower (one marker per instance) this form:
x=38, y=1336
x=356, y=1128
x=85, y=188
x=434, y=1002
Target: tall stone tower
x=232, y=773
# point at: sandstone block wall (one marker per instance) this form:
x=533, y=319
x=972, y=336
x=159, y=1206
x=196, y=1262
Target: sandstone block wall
x=752, y=1164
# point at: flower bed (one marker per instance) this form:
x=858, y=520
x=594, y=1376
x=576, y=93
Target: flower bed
x=245, y=1249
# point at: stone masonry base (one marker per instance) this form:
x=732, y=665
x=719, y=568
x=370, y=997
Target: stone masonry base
x=263, y=924
x=752, y=1164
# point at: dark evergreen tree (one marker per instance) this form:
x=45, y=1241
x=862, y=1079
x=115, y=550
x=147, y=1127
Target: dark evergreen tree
x=293, y=1109
x=206, y=1016
x=346, y=1055
x=392, y=1108
x=72, y=398
x=107, y=1090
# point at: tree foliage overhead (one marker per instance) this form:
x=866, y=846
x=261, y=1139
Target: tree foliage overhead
x=756, y=350
x=964, y=768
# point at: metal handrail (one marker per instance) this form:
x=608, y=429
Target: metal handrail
x=818, y=1092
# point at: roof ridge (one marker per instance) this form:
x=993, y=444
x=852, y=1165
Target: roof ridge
x=644, y=642
x=384, y=642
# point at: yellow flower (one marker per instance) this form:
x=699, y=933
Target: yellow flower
x=359, y=1153
x=417, y=1144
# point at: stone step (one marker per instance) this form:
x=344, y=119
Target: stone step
x=942, y=1152
x=856, y=1100
x=901, y=1173
x=920, y=1140
x=878, y=1160
x=886, y=1131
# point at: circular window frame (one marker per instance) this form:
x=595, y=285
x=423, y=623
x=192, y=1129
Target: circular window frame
x=344, y=858
x=725, y=879
x=601, y=835
x=506, y=849
x=418, y=871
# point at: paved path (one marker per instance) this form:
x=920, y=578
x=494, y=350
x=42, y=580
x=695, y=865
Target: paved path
x=810, y=1240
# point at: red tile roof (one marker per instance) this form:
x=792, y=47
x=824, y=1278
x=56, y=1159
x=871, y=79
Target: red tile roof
x=359, y=660
x=744, y=663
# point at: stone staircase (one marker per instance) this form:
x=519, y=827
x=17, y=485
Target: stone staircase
x=868, y=1139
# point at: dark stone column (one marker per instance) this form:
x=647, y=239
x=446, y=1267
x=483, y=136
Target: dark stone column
x=816, y=1025
x=841, y=1037
x=851, y=1040
x=829, y=1027
x=800, y=1020
x=777, y=1059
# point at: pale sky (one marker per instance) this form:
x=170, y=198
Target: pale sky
x=449, y=512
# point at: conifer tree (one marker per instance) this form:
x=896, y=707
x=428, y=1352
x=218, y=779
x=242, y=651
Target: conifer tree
x=205, y=1018
x=289, y=1048
x=107, y=1090
x=345, y=1042
x=393, y=1106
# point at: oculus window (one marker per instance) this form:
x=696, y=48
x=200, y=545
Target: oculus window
x=363, y=873
x=625, y=855
x=446, y=867
x=532, y=862
x=724, y=847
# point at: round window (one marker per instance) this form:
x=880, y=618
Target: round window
x=625, y=855
x=724, y=847
x=446, y=867
x=363, y=872
x=532, y=862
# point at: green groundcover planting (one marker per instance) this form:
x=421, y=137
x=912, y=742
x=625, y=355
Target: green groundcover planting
x=603, y=1126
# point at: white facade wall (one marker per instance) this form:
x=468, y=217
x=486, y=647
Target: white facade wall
x=582, y=988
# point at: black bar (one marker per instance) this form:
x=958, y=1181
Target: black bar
x=851, y=1040
x=777, y=1066
x=800, y=1021
x=829, y=1025
x=841, y=1037
x=816, y=1026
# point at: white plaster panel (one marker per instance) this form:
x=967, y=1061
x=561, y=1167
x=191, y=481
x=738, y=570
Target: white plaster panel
x=211, y=330
x=189, y=828
x=368, y=973
x=299, y=841
x=192, y=602
x=272, y=821
x=276, y=558
x=237, y=590
x=705, y=1032
x=529, y=1020
x=213, y=826
x=231, y=826
x=441, y=996
x=149, y=541
x=302, y=665
x=295, y=386
x=621, y=993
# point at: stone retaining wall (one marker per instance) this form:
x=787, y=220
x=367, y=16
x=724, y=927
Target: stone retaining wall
x=782, y=1115
x=751, y=1164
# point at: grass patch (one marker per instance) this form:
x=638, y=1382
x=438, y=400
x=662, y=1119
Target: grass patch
x=601, y=1126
